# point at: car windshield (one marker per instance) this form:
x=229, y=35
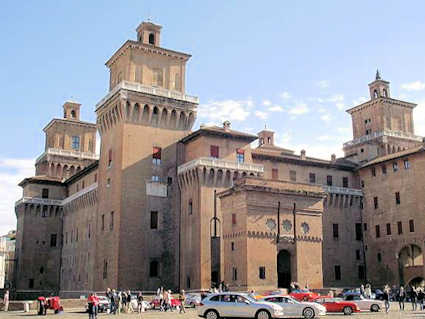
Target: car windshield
x=249, y=298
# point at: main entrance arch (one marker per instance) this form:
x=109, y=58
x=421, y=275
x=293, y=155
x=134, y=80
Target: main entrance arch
x=283, y=269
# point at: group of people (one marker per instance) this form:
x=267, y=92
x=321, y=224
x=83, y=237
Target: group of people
x=121, y=301
x=165, y=298
x=6, y=300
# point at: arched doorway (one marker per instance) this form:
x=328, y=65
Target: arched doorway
x=283, y=269
x=417, y=282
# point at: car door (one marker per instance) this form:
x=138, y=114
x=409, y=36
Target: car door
x=294, y=308
x=226, y=305
x=243, y=308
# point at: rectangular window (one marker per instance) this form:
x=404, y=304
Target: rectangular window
x=105, y=269
x=156, y=156
x=154, y=220
x=337, y=272
x=157, y=77
x=103, y=223
x=329, y=180
x=154, y=268
x=31, y=283
x=411, y=226
x=95, y=178
x=75, y=143
x=214, y=151
x=361, y=272
x=357, y=254
x=66, y=238
x=110, y=158
x=373, y=171
x=365, y=227
x=345, y=182
x=190, y=207
x=312, y=178
x=377, y=231
x=233, y=219
x=384, y=169
x=293, y=176
x=379, y=257
x=232, y=245
x=111, y=221
x=362, y=183
x=108, y=182
x=155, y=178
x=89, y=231
x=53, y=238
x=335, y=231
x=406, y=164
x=395, y=167
x=262, y=272
x=359, y=233
x=275, y=173
x=375, y=202
x=399, y=228
x=45, y=193
x=397, y=198
x=234, y=274
x=240, y=155
x=388, y=229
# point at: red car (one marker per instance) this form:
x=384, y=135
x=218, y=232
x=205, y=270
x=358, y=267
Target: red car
x=156, y=302
x=303, y=295
x=337, y=305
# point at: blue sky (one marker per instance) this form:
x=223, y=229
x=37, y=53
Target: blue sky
x=292, y=65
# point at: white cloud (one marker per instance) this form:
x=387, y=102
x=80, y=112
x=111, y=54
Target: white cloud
x=276, y=108
x=413, y=86
x=336, y=98
x=323, y=84
x=324, y=138
x=340, y=106
x=326, y=118
x=262, y=115
x=219, y=111
x=285, y=95
x=12, y=171
x=299, y=109
x=359, y=101
x=419, y=118
x=267, y=103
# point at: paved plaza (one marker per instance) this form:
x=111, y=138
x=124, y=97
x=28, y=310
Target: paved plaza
x=192, y=314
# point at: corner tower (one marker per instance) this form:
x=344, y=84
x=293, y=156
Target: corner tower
x=382, y=125
x=140, y=121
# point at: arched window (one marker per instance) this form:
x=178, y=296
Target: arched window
x=375, y=94
x=151, y=38
x=73, y=114
x=269, y=140
x=385, y=93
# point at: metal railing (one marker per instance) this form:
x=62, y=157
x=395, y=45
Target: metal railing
x=220, y=163
x=342, y=190
x=70, y=153
x=137, y=87
x=372, y=136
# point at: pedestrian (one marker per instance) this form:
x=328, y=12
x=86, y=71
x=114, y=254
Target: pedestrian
x=161, y=300
x=6, y=300
x=387, y=298
x=124, y=301
x=119, y=304
x=182, y=299
x=401, y=297
x=129, y=306
x=109, y=296
x=413, y=297
x=114, y=302
x=421, y=296
x=96, y=305
x=91, y=306
x=368, y=291
x=140, y=307
x=362, y=290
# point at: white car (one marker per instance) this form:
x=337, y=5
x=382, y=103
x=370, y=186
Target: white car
x=237, y=305
x=365, y=304
x=295, y=309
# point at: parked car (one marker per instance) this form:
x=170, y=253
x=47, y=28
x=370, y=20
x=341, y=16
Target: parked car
x=192, y=300
x=155, y=303
x=103, y=305
x=365, y=304
x=337, y=305
x=295, y=309
x=238, y=305
x=135, y=304
x=303, y=294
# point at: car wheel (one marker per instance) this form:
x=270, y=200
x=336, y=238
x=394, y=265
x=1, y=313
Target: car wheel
x=211, y=314
x=308, y=313
x=347, y=311
x=262, y=314
x=374, y=308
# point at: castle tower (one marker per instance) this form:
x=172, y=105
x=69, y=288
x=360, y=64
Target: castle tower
x=70, y=145
x=140, y=121
x=381, y=126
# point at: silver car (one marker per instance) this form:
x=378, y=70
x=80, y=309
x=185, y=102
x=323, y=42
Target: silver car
x=365, y=304
x=295, y=309
x=239, y=305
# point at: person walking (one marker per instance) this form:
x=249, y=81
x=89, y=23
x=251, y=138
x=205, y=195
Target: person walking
x=114, y=302
x=362, y=290
x=387, y=298
x=108, y=295
x=421, y=296
x=401, y=297
x=124, y=301
x=91, y=306
x=140, y=307
x=6, y=300
x=129, y=306
x=161, y=300
x=182, y=299
x=119, y=303
x=413, y=297
x=170, y=298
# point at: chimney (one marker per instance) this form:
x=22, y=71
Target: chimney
x=333, y=158
x=303, y=154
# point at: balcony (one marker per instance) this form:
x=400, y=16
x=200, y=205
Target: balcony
x=38, y=201
x=69, y=153
x=342, y=190
x=211, y=162
x=375, y=135
x=137, y=87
